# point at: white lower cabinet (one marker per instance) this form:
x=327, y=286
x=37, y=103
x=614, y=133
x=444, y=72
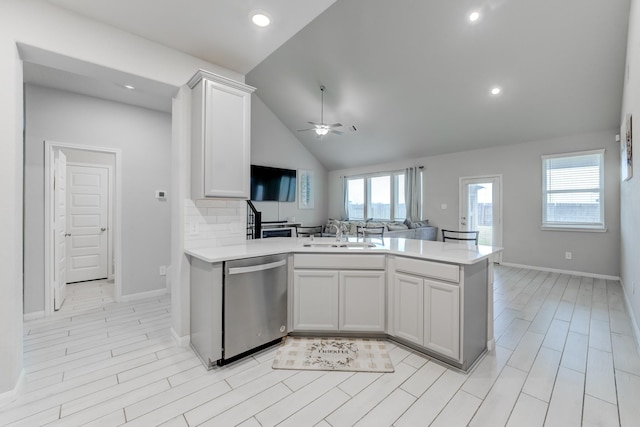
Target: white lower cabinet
x=409, y=306
x=330, y=295
x=438, y=308
x=427, y=313
x=362, y=302
x=442, y=318
x=315, y=300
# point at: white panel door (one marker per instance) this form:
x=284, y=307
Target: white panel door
x=409, y=307
x=87, y=219
x=227, y=148
x=315, y=294
x=442, y=318
x=362, y=301
x=59, y=229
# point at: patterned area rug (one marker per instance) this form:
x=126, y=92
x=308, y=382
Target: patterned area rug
x=333, y=354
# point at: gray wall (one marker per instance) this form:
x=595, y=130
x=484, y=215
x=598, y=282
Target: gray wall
x=144, y=136
x=520, y=166
x=630, y=190
x=272, y=144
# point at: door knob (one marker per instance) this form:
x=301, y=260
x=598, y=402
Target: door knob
x=103, y=229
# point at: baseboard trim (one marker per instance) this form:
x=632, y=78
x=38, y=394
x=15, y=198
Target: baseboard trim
x=180, y=341
x=33, y=316
x=11, y=395
x=557, y=270
x=143, y=295
x=632, y=317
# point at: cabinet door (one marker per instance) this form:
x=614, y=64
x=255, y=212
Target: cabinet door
x=227, y=150
x=362, y=301
x=408, y=307
x=442, y=318
x=315, y=304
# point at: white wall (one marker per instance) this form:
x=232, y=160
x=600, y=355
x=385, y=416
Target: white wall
x=40, y=24
x=272, y=144
x=630, y=190
x=11, y=120
x=144, y=138
x=520, y=166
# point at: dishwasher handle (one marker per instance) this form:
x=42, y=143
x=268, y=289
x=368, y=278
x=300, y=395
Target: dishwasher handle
x=254, y=268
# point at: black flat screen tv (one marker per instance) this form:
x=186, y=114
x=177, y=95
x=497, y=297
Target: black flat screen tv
x=272, y=184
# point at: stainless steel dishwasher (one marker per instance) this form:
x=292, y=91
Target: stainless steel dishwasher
x=255, y=304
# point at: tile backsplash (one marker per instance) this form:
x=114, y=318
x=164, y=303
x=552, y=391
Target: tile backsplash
x=216, y=222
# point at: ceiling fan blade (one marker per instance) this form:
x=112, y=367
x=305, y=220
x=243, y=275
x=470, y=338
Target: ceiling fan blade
x=315, y=124
x=335, y=125
x=304, y=130
x=337, y=132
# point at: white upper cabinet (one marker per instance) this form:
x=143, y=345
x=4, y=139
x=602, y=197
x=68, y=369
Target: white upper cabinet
x=220, y=136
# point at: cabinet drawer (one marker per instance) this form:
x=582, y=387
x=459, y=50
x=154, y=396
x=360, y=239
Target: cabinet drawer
x=339, y=261
x=437, y=270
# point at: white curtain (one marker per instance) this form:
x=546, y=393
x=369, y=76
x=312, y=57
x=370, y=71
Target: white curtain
x=344, y=214
x=412, y=193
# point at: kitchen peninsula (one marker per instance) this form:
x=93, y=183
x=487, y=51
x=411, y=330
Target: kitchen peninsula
x=434, y=297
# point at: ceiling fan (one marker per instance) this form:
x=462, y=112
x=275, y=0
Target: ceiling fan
x=321, y=129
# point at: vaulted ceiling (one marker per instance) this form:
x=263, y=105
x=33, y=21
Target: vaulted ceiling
x=413, y=78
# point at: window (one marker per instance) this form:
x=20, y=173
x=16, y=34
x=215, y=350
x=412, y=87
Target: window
x=573, y=190
x=355, y=198
x=399, y=206
x=378, y=196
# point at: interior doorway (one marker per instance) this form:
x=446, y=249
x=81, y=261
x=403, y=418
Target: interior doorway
x=481, y=208
x=88, y=214
x=82, y=233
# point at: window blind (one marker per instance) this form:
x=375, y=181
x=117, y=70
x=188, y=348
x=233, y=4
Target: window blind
x=572, y=190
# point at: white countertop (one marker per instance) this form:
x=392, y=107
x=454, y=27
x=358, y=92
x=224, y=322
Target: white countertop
x=425, y=249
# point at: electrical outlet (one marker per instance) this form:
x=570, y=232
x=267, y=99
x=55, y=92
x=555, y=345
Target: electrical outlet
x=163, y=270
x=194, y=228
x=568, y=255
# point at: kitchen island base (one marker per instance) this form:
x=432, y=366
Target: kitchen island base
x=433, y=297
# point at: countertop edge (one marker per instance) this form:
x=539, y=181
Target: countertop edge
x=240, y=251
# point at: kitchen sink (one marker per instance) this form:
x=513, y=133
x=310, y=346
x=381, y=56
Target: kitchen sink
x=358, y=245
x=321, y=245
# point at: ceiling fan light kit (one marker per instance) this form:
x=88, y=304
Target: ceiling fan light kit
x=321, y=129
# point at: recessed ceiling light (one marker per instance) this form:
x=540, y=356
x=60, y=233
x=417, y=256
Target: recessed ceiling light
x=474, y=16
x=129, y=87
x=260, y=18
x=495, y=91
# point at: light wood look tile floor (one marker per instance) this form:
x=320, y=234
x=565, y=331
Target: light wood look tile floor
x=565, y=356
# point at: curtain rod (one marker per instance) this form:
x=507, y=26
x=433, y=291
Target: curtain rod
x=379, y=172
